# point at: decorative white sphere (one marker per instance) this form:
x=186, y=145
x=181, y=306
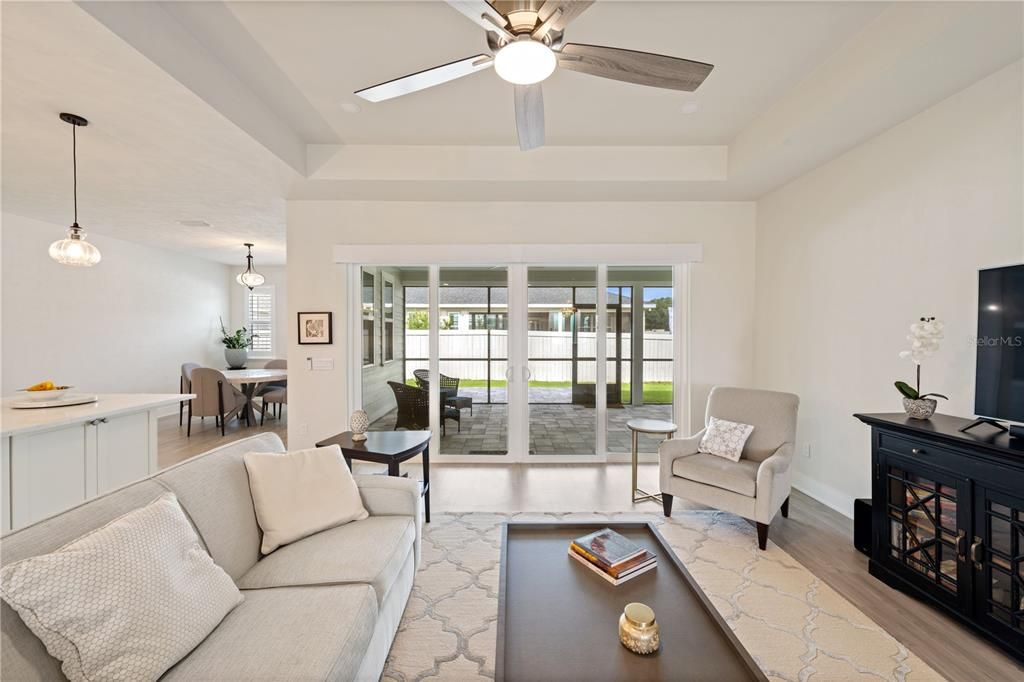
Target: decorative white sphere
x=359, y=423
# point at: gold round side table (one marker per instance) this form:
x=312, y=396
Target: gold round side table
x=654, y=427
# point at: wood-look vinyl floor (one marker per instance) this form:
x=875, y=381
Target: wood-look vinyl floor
x=815, y=535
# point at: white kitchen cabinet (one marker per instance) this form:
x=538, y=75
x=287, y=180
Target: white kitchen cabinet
x=55, y=458
x=122, y=448
x=49, y=471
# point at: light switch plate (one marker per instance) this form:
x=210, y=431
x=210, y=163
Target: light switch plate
x=323, y=364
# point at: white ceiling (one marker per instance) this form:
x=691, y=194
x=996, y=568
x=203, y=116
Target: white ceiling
x=204, y=110
x=759, y=51
x=152, y=155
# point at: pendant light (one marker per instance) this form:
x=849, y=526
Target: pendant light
x=250, y=278
x=73, y=249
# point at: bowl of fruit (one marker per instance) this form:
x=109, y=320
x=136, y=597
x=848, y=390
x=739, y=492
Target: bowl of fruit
x=45, y=390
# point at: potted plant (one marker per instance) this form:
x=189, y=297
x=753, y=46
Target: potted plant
x=236, y=346
x=924, y=340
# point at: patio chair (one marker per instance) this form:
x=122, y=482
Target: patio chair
x=414, y=409
x=449, y=388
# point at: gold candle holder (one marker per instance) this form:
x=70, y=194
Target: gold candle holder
x=638, y=630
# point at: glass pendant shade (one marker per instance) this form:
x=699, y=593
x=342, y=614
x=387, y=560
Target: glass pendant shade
x=250, y=278
x=74, y=250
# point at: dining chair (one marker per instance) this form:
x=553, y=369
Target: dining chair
x=215, y=397
x=274, y=393
x=185, y=385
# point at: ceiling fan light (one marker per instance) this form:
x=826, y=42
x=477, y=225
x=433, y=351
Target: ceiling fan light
x=525, y=62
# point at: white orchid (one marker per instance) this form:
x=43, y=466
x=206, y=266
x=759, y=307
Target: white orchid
x=924, y=338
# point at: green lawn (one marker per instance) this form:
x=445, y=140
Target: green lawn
x=655, y=392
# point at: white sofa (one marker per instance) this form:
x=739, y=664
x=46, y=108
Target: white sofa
x=758, y=485
x=324, y=608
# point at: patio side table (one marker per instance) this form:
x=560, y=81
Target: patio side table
x=654, y=427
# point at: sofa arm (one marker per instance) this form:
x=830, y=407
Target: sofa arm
x=773, y=482
x=673, y=449
x=393, y=496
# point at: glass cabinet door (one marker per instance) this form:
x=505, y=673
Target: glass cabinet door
x=925, y=535
x=997, y=551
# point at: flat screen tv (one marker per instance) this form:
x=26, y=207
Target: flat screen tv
x=999, y=385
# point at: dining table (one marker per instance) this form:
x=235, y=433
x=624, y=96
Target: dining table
x=249, y=382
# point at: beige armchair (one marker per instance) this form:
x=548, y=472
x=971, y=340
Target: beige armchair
x=755, y=487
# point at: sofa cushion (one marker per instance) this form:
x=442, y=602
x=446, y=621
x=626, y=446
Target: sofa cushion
x=739, y=477
x=291, y=633
x=370, y=551
x=299, y=493
x=23, y=655
x=126, y=600
x=213, y=488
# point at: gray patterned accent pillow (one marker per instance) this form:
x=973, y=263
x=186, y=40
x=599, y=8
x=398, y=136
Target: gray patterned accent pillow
x=125, y=601
x=725, y=438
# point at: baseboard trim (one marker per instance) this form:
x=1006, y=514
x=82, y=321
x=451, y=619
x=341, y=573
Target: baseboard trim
x=827, y=495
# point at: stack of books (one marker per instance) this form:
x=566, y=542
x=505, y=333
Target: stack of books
x=612, y=556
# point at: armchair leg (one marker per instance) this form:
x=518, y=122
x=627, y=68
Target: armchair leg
x=666, y=502
x=762, y=535
x=785, y=509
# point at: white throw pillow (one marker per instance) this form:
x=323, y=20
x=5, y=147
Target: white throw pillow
x=725, y=438
x=301, y=493
x=125, y=601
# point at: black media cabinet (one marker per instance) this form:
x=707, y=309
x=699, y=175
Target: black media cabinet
x=948, y=519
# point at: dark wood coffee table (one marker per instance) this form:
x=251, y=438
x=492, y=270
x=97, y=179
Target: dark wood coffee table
x=559, y=621
x=391, y=448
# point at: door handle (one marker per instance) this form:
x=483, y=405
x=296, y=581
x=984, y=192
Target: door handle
x=526, y=373
x=508, y=374
x=961, y=545
x=976, y=552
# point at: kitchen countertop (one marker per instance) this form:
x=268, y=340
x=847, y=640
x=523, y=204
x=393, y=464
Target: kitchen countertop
x=15, y=422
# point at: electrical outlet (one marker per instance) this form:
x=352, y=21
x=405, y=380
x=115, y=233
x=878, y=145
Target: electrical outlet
x=807, y=450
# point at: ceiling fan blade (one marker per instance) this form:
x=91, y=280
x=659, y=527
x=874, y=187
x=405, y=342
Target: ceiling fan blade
x=425, y=79
x=642, y=68
x=530, y=116
x=480, y=12
x=570, y=10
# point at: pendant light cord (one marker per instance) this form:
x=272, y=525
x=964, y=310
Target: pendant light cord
x=74, y=166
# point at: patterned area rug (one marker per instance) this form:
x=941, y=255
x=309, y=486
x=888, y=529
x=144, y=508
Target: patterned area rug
x=796, y=627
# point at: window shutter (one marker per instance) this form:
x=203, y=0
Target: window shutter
x=260, y=315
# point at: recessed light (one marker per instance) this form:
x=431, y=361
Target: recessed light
x=350, y=107
x=193, y=223
x=690, y=108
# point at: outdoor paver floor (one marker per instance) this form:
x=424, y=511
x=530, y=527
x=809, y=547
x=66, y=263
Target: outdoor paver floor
x=560, y=429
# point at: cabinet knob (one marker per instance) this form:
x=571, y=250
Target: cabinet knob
x=918, y=451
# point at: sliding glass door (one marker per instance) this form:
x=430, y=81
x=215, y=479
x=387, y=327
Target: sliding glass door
x=502, y=361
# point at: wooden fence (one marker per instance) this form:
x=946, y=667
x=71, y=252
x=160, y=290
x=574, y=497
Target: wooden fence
x=550, y=354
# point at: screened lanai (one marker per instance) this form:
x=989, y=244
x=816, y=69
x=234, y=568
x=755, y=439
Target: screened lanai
x=561, y=337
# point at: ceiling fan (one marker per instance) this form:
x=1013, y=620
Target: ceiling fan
x=526, y=39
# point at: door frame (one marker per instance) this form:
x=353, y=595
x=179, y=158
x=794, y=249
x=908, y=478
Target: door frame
x=516, y=258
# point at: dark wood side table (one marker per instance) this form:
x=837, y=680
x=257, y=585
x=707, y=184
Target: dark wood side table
x=388, y=447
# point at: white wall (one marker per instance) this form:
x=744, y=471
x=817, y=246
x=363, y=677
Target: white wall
x=851, y=253
x=123, y=326
x=275, y=276
x=722, y=291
